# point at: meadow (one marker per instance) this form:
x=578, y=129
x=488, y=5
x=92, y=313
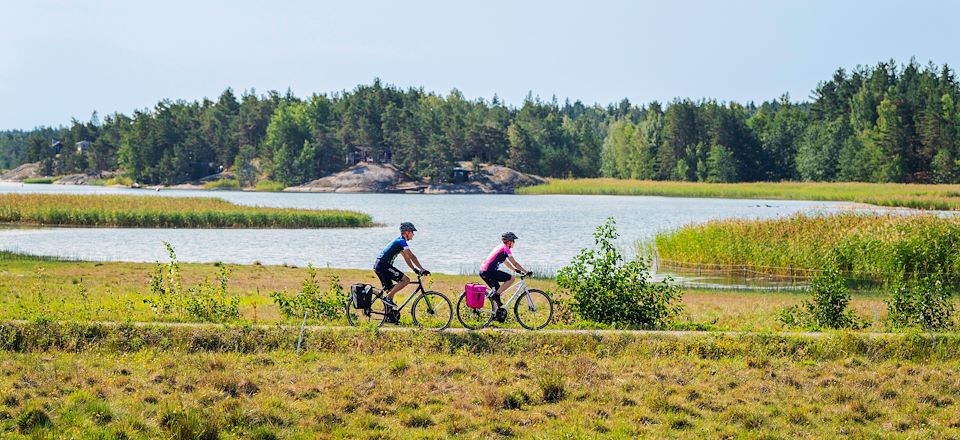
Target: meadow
x=883, y=247
x=100, y=381
x=163, y=212
x=927, y=197
x=32, y=287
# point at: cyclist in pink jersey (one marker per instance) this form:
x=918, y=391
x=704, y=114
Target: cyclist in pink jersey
x=491, y=274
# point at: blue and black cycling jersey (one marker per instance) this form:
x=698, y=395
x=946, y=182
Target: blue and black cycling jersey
x=389, y=253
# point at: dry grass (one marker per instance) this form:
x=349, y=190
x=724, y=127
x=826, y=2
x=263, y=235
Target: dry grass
x=151, y=394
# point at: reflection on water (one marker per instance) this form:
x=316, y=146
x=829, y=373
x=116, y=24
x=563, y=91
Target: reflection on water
x=455, y=231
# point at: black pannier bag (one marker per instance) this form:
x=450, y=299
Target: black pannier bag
x=362, y=294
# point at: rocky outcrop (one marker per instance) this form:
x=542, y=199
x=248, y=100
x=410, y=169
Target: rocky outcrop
x=25, y=171
x=369, y=177
x=364, y=177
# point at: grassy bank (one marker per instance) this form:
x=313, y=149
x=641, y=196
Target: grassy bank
x=937, y=197
x=162, y=212
x=869, y=245
x=423, y=385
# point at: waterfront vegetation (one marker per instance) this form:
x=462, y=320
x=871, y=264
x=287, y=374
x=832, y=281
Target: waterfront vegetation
x=165, y=212
x=929, y=197
x=107, y=381
x=223, y=184
x=883, y=247
x=269, y=186
x=40, y=180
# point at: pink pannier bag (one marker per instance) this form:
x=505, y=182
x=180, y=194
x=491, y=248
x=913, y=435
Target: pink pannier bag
x=476, y=294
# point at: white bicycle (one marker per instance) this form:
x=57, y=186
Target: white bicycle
x=532, y=308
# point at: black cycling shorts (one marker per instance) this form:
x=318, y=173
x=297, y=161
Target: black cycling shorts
x=389, y=276
x=493, y=278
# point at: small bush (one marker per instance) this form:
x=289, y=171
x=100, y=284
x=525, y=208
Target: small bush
x=321, y=304
x=398, y=366
x=827, y=307
x=926, y=303
x=40, y=180
x=205, y=302
x=609, y=290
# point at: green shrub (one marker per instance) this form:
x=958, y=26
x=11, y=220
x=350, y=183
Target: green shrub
x=926, y=303
x=827, y=307
x=189, y=424
x=205, y=302
x=609, y=290
x=320, y=304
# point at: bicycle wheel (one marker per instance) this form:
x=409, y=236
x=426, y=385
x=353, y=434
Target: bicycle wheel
x=472, y=318
x=533, y=309
x=432, y=310
x=375, y=315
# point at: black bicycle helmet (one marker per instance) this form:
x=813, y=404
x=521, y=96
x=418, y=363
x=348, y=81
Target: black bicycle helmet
x=407, y=226
x=508, y=236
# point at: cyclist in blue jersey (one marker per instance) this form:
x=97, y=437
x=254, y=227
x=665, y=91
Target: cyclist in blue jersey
x=393, y=279
x=492, y=275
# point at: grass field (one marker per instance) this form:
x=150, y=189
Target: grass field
x=938, y=197
x=89, y=291
x=867, y=245
x=166, y=212
x=113, y=382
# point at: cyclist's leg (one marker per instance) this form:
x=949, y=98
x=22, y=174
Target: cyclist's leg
x=397, y=277
x=506, y=280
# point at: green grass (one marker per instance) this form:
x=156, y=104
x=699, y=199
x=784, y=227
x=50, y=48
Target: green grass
x=163, y=212
x=40, y=180
x=929, y=197
x=118, y=180
x=232, y=184
x=269, y=186
x=882, y=247
x=32, y=287
x=133, y=382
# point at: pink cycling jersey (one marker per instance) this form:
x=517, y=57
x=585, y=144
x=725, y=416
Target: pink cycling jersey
x=496, y=258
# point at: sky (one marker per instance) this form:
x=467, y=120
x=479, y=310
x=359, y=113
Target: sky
x=66, y=59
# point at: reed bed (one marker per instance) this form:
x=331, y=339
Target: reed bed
x=866, y=245
x=163, y=212
x=927, y=197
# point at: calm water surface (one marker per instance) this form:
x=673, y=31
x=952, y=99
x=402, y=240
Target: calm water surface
x=455, y=231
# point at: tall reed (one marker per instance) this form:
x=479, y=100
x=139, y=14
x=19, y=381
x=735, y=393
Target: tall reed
x=937, y=197
x=872, y=245
x=163, y=212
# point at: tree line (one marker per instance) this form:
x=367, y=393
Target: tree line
x=882, y=123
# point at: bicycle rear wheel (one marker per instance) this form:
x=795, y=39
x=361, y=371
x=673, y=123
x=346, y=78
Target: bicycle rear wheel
x=533, y=309
x=472, y=318
x=432, y=310
x=375, y=315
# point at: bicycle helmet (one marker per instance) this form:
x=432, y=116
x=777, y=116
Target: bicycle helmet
x=407, y=226
x=508, y=236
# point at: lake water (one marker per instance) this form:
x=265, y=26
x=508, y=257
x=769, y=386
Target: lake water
x=456, y=232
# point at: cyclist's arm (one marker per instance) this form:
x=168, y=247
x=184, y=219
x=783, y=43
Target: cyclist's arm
x=412, y=260
x=511, y=263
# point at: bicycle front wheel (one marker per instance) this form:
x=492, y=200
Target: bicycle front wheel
x=432, y=310
x=533, y=309
x=375, y=315
x=472, y=318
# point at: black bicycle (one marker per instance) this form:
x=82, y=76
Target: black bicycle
x=431, y=310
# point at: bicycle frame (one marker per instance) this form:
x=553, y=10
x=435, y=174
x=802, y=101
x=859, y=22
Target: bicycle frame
x=416, y=292
x=519, y=289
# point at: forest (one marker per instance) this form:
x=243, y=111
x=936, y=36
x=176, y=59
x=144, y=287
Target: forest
x=884, y=123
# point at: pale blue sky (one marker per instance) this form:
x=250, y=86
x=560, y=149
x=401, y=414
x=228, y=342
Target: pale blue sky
x=63, y=59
